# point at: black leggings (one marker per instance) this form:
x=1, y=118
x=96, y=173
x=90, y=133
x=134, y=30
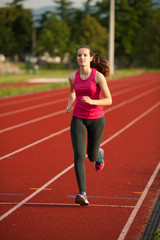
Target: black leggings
x=80, y=128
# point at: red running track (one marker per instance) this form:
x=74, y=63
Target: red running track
x=38, y=184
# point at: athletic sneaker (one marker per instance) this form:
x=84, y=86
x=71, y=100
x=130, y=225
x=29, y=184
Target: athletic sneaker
x=81, y=199
x=99, y=165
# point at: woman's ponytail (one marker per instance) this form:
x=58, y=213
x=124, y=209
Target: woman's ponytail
x=101, y=64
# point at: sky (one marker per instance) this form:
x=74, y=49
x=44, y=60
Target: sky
x=33, y=4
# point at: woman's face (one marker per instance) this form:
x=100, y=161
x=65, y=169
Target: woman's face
x=83, y=57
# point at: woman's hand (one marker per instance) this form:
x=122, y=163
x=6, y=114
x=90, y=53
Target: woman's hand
x=87, y=100
x=68, y=109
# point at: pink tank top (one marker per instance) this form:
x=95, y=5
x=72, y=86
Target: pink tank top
x=88, y=88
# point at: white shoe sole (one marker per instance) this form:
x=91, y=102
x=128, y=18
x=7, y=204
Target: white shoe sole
x=80, y=200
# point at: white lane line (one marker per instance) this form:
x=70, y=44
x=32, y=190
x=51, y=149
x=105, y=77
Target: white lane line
x=63, y=111
x=131, y=123
x=138, y=205
x=132, y=99
x=33, y=98
x=130, y=89
x=35, y=143
x=71, y=166
x=65, y=204
x=66, y=129
x=64, y=99
x=33, y=107
x=36, y=192
x=32, y=121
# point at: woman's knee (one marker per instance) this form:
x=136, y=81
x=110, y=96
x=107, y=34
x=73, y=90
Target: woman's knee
x=79, y=157
x=94, y=155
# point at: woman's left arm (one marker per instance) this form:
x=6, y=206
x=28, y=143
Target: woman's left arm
x=107, y=98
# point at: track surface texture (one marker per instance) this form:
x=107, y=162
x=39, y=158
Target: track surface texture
x=38, y=183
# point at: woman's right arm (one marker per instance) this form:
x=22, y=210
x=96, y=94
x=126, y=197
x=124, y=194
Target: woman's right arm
x=72, y=95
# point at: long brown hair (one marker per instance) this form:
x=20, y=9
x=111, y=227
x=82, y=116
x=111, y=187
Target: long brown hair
x=99, y=62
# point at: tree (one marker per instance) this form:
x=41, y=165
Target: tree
x=94, y=35
x=54, y=37
x=102, y=13
x=15, y=31
x=147, y=42
x=130, y=20
x=87, y=6
x=16, y=3
x=7, y=39
x=63, y=8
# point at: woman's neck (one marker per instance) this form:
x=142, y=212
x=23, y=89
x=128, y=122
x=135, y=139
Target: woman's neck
x=85, y=73
x=85, y=70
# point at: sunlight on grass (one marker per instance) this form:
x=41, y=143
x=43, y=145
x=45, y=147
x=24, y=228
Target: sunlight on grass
x=64, y=73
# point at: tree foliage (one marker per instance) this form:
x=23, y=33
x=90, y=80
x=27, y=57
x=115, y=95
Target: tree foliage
x=54, y=37
x=94, y=35
x=137, y=30
x=131, y=17
x=147, y=43
x=15, y=30
x=63, y=8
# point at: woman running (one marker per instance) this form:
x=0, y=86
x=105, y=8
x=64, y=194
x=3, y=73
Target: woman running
x=88, y=118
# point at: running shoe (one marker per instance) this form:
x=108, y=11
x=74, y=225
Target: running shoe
x=99, y=165
x=81, y=199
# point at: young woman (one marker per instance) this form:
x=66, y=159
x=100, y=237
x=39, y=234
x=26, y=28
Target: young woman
x=88, y=119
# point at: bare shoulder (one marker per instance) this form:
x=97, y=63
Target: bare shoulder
x=99, y=78
x=72, y=77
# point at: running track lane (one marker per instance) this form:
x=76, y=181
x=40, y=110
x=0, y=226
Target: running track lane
x=11, y=136
x=50, y=205
x=45, y=194
x=56, y=119
x=11, y=104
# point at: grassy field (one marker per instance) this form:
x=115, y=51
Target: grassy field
x=24, y=77
x=157, y=234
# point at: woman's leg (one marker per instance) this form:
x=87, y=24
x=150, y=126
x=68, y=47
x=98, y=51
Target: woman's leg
x=95, y=129
x=78, y=136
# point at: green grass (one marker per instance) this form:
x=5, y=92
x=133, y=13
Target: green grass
x=157, y=234
x=126, y=72
x=24, y=77
x=11, y=91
